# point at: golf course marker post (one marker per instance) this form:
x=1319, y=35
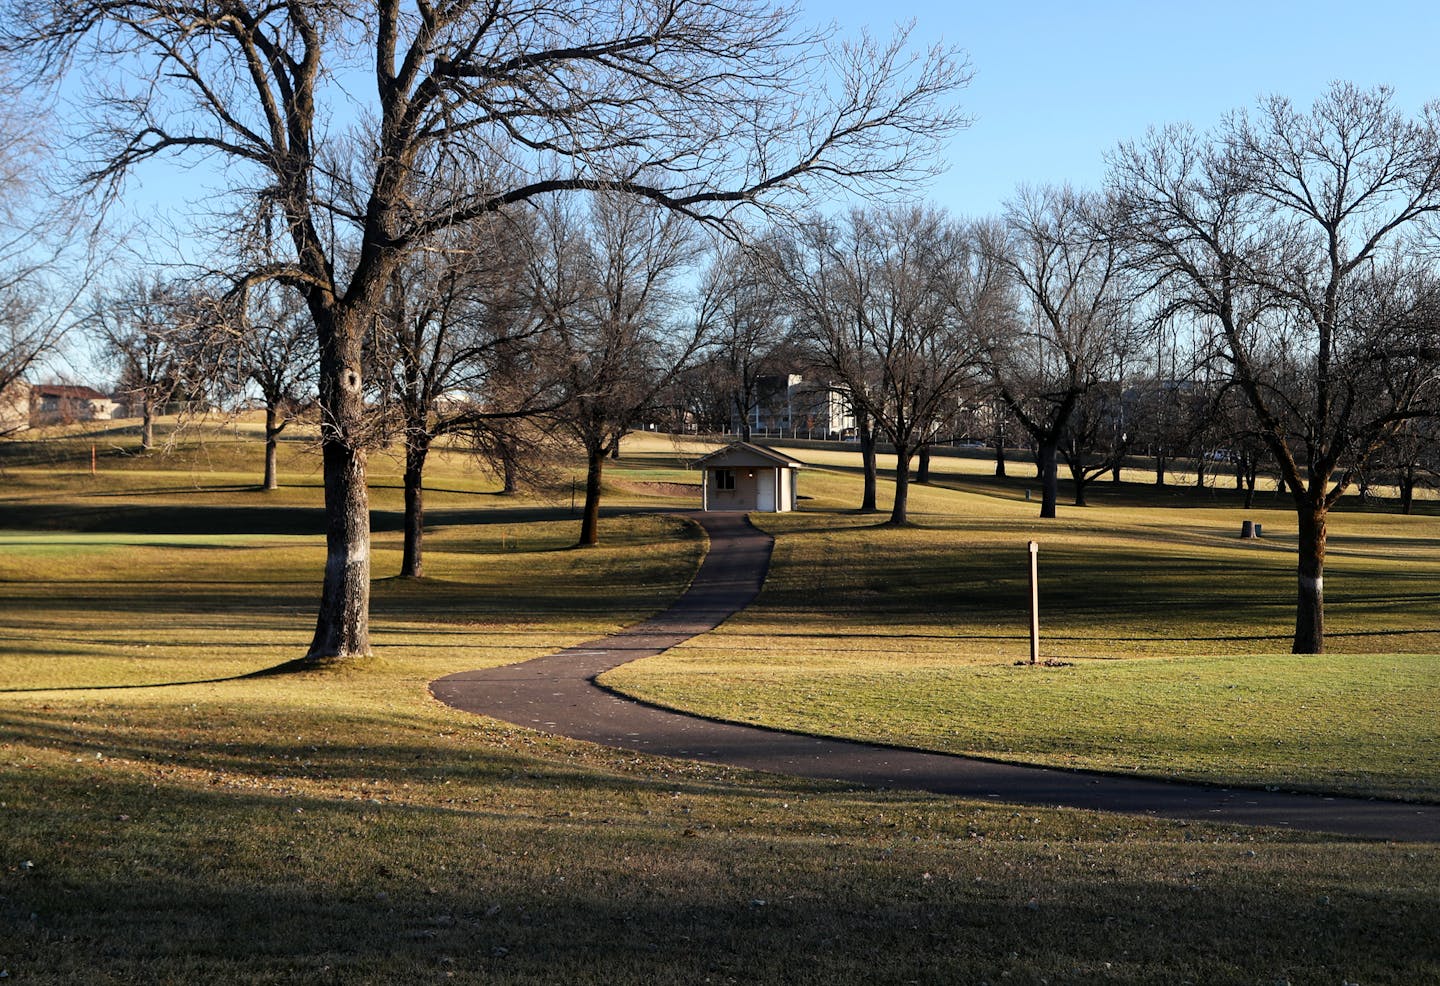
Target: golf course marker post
x=1034, y=602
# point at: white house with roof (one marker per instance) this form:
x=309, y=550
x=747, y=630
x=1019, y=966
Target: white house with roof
x=742, y=476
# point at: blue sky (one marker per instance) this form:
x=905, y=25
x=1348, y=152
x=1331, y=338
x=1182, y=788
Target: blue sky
x=1059, y=84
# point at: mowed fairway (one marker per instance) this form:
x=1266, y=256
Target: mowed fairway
x=164, y=818
x=1174, y=636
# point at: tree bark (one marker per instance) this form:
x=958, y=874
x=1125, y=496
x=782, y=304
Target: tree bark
x=1159, y=469
x=272, y=432
x=1407, y=490
x=342, y=628
x=1077, y=477
x=509, y=478
x=147, y=425
x=1049, y=478
x=590, y=521
x=417, y=448
x=1000, y=459
x=1310, y=610
x=922, y=473
x=1200, y=472
x=900, y=510
x=866, y=432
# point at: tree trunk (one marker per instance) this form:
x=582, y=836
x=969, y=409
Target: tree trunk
x=272, y=432
x=866, y=432
x=590, y=521
x=342, y=628
x=922, y=474
x=1159, y=469
x=1250, y=488
x=147, y=425
x=999, y=458
x=417, y=448
x=1200, y=472
x=1407, y=490
x=1310, y=611
x=1049, y=478
x=900, y=510
x=510, y=478
x=1077, y=477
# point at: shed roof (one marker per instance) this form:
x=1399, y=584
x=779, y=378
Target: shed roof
x=741, y=454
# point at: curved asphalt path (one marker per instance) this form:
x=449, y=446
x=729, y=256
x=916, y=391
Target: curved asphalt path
x=558, y=694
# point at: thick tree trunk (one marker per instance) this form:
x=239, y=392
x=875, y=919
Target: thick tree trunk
x=900, y=510
x=1200, y=472
x=922, y=473
x=1407, y=489
x=590, y=521
x=509, y=476
x=1310, y=610
x=1159, y=469
x=1000, y=458
x=1049, y=478
x=417, y=448
x=342, y=628
x=867, y=458
x=1250, y=489
x=147, y=425
x=272, y=433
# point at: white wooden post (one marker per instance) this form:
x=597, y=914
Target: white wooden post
x=1034, y=602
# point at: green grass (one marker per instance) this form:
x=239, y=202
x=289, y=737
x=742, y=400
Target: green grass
x=341, y=826
x=1175, y=634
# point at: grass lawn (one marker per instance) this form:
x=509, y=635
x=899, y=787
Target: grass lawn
x=166, y=819
x=1174, y=635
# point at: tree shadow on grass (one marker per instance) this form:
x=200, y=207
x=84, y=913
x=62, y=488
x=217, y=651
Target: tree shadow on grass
x=179, y=882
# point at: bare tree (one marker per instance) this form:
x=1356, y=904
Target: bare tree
x=272, y=349
x=1274, y=230
x=887, y=301
x=159, y=338
x=607, y=288
x=444, y=349
x=34, y=314
x=745, y=319
x=703, y=107
x=1070, y=319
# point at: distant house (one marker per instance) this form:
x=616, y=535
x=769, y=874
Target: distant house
x=742, y=476
x=59, y=403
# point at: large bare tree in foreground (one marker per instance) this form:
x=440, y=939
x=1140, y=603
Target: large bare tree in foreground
x=352, y=133
x=1285, y=231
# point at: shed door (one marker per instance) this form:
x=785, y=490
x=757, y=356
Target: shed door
x=765, y=489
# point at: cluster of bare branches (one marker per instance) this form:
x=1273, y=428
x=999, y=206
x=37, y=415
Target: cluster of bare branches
x=353, y=137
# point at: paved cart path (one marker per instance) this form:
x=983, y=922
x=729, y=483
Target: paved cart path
x=558, y=694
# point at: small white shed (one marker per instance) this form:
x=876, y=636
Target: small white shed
x=742, y=476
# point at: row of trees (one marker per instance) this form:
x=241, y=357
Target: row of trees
x=1294, y=250
x=431, y=239
x=354, y=139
